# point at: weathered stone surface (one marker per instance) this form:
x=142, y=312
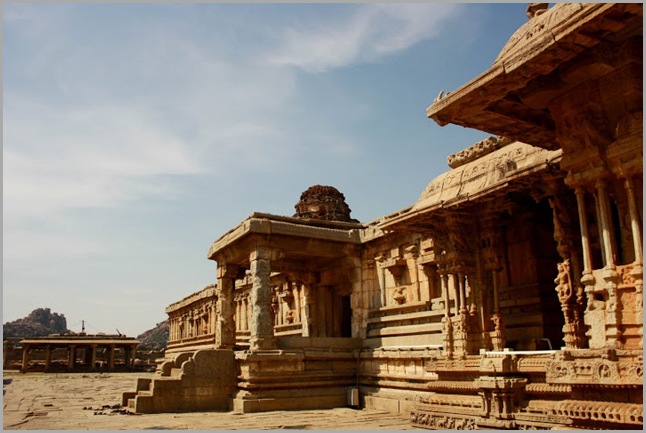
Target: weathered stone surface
x=323, y=203
x=510, y=296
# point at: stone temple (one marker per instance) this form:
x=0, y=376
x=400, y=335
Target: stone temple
x=509, y=296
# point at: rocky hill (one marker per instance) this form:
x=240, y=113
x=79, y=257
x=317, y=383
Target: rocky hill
x=155, y=338
x=39, y=323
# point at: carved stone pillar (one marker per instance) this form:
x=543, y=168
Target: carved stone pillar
x=585, y=236
x=569, y=290
x=637, y=271
x=262, y=326
x=605, y=225
x=610, y=276
x=297, y=302
x=306, y=310
x=225, y=336
x=491, y=236
x=414, y=253
x=244, y=311
x=238, y=321
x=444, y=284
x=430, y=270
x=634, y=220
x=357, y=298
x=381, y=278
x=463, y=293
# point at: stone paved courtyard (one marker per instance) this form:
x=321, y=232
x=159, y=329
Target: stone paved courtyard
x=38, y=401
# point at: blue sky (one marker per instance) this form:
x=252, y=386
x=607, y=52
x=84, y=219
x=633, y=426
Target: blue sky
x=134, y=135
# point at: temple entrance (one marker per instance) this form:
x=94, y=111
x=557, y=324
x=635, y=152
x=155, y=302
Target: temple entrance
x=333, y=314
x=529, y=302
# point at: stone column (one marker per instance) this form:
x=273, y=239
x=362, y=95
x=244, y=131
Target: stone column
x=71, y=356
x=93, y=358
x=306, y=312
x=111, y=357
x=634, y=220
x=463, y=294
x=637, y=271
x=381, y=278
x=444, y=281
x=586, y=279
x=605, y=223
x=297, y=302
x=447, y=325
x=262, y=326
x=25, y=358
x=610, y=276
x=498, y=339
x=458, y=293
x=225, y=335
x=568, y=288
x=48, y=356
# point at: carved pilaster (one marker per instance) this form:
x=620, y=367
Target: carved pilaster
x=492, y=252
x=570, y=291
x=447, y=335
x=225, y=337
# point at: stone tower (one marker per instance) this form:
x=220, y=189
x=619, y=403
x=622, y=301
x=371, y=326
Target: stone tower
x=323, y=203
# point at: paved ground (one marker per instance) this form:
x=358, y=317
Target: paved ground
x=56, y=401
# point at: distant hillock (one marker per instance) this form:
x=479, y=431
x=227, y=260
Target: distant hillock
x=155, y=338
x=39, y=323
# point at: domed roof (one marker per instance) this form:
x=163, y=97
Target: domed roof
x=536, y=12
x=478, y=176
x=323, y=202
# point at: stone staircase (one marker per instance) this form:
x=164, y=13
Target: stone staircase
x=204, y=380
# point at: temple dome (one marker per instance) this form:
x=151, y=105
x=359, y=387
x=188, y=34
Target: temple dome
x=323, y=203
x=541, y=22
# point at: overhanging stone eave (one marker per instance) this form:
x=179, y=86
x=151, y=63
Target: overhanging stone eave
x=406, y=220
x=268, y=224
x=439, y=109
x=538, y=57
x=230, y=237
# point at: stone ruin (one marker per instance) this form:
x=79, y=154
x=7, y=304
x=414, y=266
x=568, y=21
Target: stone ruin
x=509, y=296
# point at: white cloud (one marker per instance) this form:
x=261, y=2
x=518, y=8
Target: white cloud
x=25, y=246
x=109, y=112
x=370, y=33
x=55, y=159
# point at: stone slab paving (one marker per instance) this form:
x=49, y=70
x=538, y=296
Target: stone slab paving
x=91, y=401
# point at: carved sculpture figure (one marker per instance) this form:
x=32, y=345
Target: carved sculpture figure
x=536, y=9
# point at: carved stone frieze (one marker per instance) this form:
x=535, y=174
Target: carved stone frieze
x=611, y=412
x=476, y=151
x=441, y=421
x=590, y=368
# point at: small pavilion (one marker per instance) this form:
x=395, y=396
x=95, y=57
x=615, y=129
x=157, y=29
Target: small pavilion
x=83, y=352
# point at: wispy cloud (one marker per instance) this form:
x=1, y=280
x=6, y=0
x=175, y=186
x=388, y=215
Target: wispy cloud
x=55, y=159
x=112, y=110
x=370, y=33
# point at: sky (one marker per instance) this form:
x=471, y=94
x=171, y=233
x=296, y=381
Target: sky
x=134, y=135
